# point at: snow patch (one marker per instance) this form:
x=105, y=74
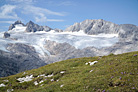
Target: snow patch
x=18, y=28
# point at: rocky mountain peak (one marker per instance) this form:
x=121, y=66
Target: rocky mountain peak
x=93, y=27
x=16, y=23
x=32, y=27
x=30, y=23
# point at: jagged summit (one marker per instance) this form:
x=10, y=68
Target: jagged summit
x=16, y=23
x=94, y=27
x=30, y=26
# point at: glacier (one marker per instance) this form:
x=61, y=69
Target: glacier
x=79, y=39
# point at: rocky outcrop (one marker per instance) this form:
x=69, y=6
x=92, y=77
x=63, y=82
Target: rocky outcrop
x=63, y=51
x=32, y=27
x=6, y=35
x=128, y=32
x=94, y=27
x=16, y=23
x=58, y=30
x=8, y=66
x=20, y=58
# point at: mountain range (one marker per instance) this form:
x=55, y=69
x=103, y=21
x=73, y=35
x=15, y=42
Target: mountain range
x=28, y=46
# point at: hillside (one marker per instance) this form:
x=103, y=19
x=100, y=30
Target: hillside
x=30, y=46
x=112, y=73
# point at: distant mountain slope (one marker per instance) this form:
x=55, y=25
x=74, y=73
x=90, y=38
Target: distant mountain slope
x=113, y=73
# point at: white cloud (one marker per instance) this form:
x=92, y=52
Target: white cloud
x=55, y=20
x=40, y=13
x=40, y=18
x=22, y=1
x=66, y=3
x=7, y=12
x=9, y=22
x=27, y=8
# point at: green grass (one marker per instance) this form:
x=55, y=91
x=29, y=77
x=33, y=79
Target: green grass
x=113, y=73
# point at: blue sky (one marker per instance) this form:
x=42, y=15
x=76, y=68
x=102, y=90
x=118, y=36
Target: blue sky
x=62, y=13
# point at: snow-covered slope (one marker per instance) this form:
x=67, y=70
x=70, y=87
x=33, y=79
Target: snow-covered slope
x=79, y=39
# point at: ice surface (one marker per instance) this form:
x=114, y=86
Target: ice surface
x=18, y=28
x=79, y=39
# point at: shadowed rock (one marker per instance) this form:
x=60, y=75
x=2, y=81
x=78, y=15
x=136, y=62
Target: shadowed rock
x=6, y=35
x=32, y=27
x=16, y=23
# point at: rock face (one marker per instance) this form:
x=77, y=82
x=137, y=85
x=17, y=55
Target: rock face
x=6, y=35
x=13, y=25
x=58, y=30
x=63, y=51
x=128, y=32
x=21, y=57
x=8, y=66
x=93, y=27
x=32, y=27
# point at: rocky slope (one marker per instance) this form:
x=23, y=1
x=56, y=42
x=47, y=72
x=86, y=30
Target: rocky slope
x=20, y=58
x=31, y=46
x=92, y=27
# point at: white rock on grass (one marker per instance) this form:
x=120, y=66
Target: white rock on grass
x=50, y=75
x=52, y=79
x=41, y=81
x=41, y=84
x=86, y=63
x=35, y=83
x=2, y=85
x=91, y=63
x=10, y=90
x=61, y=85
x=91, y=70
x=41, y=75
x=25, y=79
x=6, y=80
x=24, y=73
x=62, y=72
